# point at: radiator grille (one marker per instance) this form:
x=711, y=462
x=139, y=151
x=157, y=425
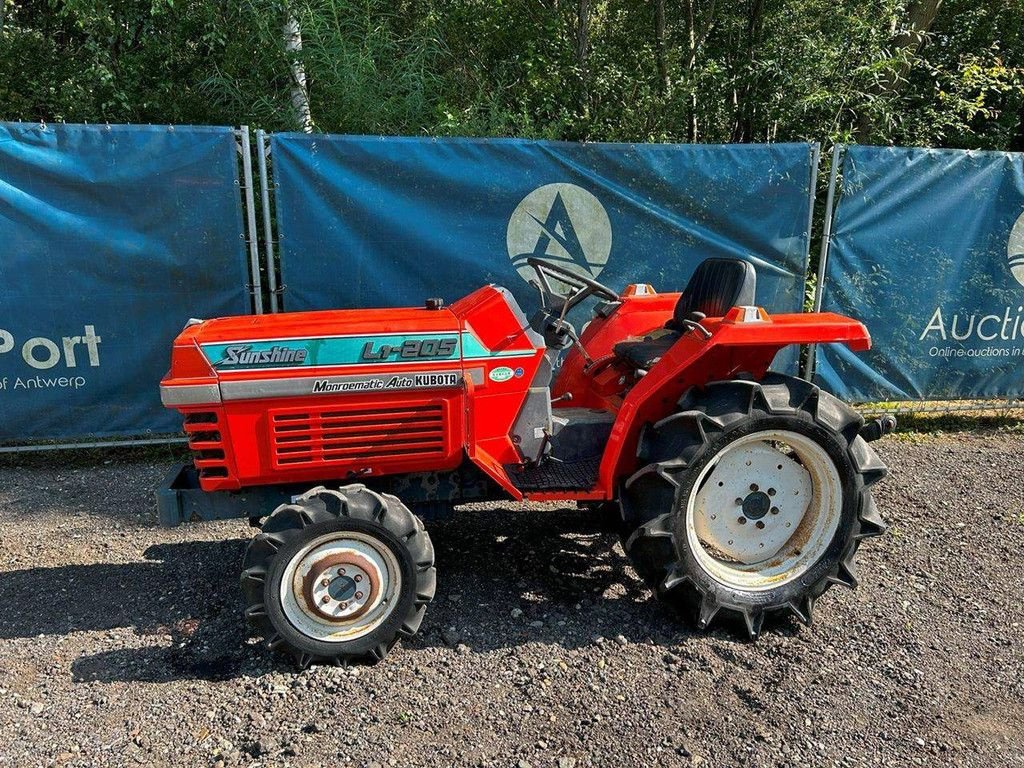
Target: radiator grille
x=360, y=433
x=204, y=439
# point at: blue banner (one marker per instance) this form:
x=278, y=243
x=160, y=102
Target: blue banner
x=111, y=238
x=369, y=221
x=927, y=249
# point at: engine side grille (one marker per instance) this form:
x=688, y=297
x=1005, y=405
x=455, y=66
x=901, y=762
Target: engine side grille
x=207, y=446
x=336, y=435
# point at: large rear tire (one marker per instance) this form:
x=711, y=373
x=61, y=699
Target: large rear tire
x=338, y=576
x=751, y=501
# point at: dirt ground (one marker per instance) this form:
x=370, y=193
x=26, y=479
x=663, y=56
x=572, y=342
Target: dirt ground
x=121, y=643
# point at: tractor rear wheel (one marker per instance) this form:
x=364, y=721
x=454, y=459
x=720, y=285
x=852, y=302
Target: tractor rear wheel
x=751, y=500
x=338, y=576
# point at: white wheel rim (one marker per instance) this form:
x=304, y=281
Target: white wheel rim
x=340, y=586
x=764, y=510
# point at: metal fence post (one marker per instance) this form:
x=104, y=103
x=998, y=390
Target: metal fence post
x=812, y=194
x=826, y=235
x=262, y=150
x=826, y=232
x=250, y=212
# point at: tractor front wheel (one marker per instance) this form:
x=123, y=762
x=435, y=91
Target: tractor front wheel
x=752, y=500
x=338, y=576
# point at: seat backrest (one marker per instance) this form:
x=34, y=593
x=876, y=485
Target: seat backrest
x=717, y=286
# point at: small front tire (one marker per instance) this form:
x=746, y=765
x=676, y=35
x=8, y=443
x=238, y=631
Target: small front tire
x=338, y=576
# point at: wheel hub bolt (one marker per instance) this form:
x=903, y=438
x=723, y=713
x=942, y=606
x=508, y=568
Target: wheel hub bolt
x=325, y=599
x=359, y=595
x=358, y=578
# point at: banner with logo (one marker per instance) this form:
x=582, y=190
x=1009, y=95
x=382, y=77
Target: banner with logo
x=927, y=249
x=111, y=238
x=370, y=221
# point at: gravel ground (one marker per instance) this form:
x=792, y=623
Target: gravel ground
x=121, y=643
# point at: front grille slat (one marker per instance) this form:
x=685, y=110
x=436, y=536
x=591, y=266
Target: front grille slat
x=206, y=443
x=362, y=433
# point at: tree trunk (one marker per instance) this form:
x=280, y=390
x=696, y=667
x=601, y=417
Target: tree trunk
x=746, y=107
x=921, y=17
x=1017, y=140
x=696, y=40
x=664, y=82
x=583, y=54
x=691, y=65
x=299, y=92
x=905, y=44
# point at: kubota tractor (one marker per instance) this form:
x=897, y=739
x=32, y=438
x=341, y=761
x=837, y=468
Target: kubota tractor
x=739, y=491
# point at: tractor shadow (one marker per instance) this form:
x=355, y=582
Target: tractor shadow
x=508, y=577
x=181, y=602
x=505, y=578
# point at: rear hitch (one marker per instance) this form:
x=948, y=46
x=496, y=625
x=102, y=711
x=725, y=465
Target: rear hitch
x=878, y=428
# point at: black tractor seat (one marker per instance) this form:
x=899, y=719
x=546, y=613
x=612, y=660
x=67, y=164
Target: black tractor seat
x=716, y=286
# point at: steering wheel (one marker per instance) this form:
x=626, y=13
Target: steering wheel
x=583, y=287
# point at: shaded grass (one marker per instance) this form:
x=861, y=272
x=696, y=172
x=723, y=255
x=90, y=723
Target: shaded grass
x=88, y=457
x=934, y=418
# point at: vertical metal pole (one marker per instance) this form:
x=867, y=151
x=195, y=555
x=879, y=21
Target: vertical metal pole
x=262, y=148
x=826, y=235
x=250, y=211
x=826, y=232
x=812, y=195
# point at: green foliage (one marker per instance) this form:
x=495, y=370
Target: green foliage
x=138, y=61
x=758, y=70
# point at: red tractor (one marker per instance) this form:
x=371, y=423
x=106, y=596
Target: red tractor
x=739, y=491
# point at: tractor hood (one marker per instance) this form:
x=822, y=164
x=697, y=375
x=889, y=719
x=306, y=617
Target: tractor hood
x=290, y=397
x=315, y=340
x=486, y=326
x=296, y=325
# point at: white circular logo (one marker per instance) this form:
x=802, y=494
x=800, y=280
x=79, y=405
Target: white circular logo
x=563, y=224
x=1015, y=249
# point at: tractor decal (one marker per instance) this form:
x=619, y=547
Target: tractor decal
x=244, y=354
x=411, y=349
x=345, y=384
x=336, y=351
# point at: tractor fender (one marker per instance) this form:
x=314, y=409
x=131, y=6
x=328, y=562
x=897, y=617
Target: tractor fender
x=740, y=345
